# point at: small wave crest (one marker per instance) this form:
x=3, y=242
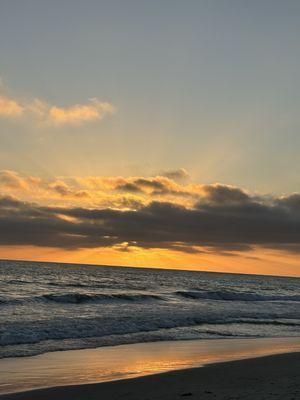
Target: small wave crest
x=234, y=296
x=78, y=298
x=83, y=298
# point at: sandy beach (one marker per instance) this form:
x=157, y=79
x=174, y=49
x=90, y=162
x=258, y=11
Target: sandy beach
x=114, y=363
x=271, y=377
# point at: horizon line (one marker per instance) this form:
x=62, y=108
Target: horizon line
x=152, y=268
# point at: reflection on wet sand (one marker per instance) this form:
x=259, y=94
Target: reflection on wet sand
x=119, y=362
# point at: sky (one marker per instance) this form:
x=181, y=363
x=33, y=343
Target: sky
x=161, y=134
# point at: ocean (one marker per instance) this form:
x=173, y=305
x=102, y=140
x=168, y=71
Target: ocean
x=53, y=306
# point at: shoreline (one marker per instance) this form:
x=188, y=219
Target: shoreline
x=126, y=362
x=261, y=377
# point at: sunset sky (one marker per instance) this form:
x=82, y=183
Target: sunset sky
x=151, y=133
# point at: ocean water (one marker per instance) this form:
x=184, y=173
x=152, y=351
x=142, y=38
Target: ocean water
x=50, y=306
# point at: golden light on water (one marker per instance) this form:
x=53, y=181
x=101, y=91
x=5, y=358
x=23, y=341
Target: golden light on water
x=127, y=361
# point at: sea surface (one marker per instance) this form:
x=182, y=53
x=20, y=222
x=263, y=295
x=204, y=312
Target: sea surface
x=49, y=306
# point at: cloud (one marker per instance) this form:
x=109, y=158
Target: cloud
x=12, y=180
x=10, y=108
x=177, y=174
x=144, y=212
x=292, y=201
x=129, y=187
x=227, y=227
x=68, y=191
x=224, y=194
x=156, y=186
x=65, y=191
x=41, y=111
x=141, y=184
x=76, y=114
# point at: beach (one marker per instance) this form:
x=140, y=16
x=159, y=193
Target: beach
x=271, y=377
x=179, y=366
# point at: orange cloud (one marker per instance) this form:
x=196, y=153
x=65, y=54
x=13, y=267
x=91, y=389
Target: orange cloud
x=116, y=192
x=12, y=180
x=80, y=113
x=162, y=223
x=66, y=191
x=10, y=108
x=39, y=110
x=76, y=114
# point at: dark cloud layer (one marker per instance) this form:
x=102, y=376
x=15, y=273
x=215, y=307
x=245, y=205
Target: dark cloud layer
x=229, y=220
x=224, y=194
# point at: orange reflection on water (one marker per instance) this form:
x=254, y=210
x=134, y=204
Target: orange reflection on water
x=119, y=362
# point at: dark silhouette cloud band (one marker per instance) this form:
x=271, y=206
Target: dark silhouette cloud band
x=227, y=219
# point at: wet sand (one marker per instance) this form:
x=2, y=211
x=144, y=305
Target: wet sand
x=271, y=377
x=110, y=363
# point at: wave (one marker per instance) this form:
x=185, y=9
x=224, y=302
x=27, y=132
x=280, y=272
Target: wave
x=64, y=334
x=234, y=296
x=84, y=298
x=78, y=298
x=100, y=285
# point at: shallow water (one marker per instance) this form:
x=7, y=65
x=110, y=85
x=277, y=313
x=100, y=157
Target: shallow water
x=128, y=361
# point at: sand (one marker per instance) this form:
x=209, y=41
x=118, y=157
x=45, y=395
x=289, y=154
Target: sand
x=271, y=377
x=75, y=367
